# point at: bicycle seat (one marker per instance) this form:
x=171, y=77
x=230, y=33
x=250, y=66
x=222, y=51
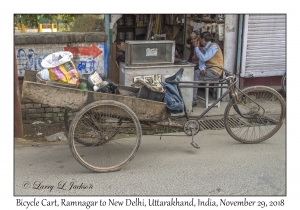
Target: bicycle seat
x=175, y=77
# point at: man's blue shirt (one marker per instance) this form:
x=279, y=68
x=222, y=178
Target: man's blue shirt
x=209, y=53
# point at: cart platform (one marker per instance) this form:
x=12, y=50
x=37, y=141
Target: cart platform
x=68, y=96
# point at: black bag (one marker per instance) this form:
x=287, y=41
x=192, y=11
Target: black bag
x=102, y=83
x=147, y=93
x=110, y=87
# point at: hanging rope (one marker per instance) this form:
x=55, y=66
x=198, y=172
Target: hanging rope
x=157, y=28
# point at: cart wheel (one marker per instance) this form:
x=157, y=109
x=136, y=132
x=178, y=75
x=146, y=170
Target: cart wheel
x=104, y=136
x=67, y=125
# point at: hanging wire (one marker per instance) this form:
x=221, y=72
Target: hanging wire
x=150, y=24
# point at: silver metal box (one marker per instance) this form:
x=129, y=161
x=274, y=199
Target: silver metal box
x=139, y=53
x=127, y=73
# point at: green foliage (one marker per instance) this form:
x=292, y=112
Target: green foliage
x=63, y=29
x=32, y=20
x=87, y=23
x=70, y=22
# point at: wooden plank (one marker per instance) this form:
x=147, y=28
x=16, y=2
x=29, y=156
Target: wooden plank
x=75, y=99
x=146, y=110
x=114, y=70
x=54, y=96
x=30, y=75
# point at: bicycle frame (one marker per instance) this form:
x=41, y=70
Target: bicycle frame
x=229, y=84
x=199, y=86
x=192, y=126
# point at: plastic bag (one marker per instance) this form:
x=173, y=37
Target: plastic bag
x=56, y=59
x=94, y=79
x=43, y=76
x=61, y=68
x=111, y=87
x=99, y=83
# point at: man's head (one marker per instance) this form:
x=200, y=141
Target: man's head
x=194, y=36
x=205, y=37
x=121, y=44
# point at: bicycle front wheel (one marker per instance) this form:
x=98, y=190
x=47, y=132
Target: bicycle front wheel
x=283, y=84
x=104, y=136
x=258, y=115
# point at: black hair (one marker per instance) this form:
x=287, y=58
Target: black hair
x=119, y=41
x=206, y=36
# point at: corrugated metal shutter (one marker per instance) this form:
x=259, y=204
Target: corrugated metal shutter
x=264, y=45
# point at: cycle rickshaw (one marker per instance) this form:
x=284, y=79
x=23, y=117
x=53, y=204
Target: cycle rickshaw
x=106, y=132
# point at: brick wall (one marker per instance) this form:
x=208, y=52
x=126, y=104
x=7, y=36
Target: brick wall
x=89, y=54
x=41, y=112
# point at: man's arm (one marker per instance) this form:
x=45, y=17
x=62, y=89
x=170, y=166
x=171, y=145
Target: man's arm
x=211, y=51
x=202, y=65
x=121, y=58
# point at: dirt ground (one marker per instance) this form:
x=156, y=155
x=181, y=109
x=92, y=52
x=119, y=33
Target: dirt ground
x=38, y=130
x=35, y=133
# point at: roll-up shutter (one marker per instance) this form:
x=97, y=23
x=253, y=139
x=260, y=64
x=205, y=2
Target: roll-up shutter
x=264, y=45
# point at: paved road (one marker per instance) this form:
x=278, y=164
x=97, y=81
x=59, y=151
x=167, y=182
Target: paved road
x=170, y=166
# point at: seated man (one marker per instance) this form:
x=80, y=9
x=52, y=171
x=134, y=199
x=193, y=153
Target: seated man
x=212, y=56
x=120, y=51
x=193, y=57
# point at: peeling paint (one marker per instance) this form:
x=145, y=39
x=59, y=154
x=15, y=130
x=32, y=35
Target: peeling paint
x=87, y=57
x=230, y=29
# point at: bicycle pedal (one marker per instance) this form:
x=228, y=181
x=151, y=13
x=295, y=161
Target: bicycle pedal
x=195, y=145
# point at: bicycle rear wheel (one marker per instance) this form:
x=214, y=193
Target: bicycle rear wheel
x=258, y=122
x=104, y=136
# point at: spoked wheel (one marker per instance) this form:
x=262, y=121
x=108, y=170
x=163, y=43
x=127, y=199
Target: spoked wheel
x=283, y=84
x=104, y=136
x=262, y=111
x=67, y=125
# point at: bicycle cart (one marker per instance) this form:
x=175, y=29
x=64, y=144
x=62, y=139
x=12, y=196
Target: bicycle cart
x=106, y=132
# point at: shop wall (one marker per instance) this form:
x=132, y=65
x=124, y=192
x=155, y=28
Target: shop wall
x=89, y=54
x=87, y=57
x=88, y=50
x=263, y=60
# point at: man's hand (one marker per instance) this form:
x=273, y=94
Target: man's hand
x=203, y=73
x=196, y=43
